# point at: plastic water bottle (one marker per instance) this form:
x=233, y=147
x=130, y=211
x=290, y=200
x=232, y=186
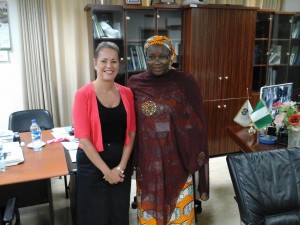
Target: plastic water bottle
x=2, y=162
x=35, y=136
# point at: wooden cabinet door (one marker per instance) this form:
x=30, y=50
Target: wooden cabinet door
x=220, y=114
x=239, y=56
x=203, y=49
x=218, y=50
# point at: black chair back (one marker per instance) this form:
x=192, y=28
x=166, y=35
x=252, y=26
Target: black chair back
x=267, y=186
x=20, y=121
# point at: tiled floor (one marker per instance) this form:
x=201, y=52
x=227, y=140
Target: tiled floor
x=220, y=209
x=39, y=215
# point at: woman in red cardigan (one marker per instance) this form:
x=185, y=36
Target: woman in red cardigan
x=104, y=122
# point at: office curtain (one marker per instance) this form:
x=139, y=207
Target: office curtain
x=264, y=4
x=69, y=53
x=56, y=56
x=36, y=54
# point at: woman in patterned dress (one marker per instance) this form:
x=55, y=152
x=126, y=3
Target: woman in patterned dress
x=171, y=142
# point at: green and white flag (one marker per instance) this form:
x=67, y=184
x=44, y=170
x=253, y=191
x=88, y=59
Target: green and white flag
x=261, y=116
x=243, y=116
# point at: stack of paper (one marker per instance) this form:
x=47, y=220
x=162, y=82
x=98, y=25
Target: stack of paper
x=71, y=145
x=13, y=152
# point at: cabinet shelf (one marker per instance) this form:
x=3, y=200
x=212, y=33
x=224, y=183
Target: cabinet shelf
x=261, y=39
x=260, y=65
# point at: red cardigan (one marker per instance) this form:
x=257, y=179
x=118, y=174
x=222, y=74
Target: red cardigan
x=86, y=121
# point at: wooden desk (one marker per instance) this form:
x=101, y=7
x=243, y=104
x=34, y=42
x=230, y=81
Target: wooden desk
x=247, y=142
x=30, y=181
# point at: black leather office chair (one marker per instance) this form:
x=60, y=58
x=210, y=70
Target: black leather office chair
x=20, y=121
x=11, y=215
x=267, y=186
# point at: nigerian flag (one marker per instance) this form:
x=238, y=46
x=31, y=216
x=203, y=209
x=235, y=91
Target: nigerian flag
x=261, y=115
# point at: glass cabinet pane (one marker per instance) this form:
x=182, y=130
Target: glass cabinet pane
x=107, y=25
x=263, y=25
x=294, y=61
x=169, y=23
x=279, y=52
x=261, y=49
x=281, y=26
x=140, y=26
x=261, y=52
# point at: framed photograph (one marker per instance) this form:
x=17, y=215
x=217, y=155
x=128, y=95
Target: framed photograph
x=153, y=2
x=273, y=93
x=133, y=2
x=4, y=27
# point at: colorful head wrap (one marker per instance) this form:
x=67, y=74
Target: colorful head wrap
x=161, y=40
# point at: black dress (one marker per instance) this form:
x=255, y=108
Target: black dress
x=99, y=202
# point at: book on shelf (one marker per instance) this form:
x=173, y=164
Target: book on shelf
x=132, y=58
x=137, y=57
x=98, y=32
x=296, y=30
x=141, y=57
x=272, y=73
x=177, y=51
x=294, y=55
x=275, y=54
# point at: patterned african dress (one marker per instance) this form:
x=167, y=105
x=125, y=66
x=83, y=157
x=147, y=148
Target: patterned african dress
x=171, y=144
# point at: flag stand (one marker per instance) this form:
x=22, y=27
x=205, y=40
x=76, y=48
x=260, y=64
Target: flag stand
x=251, y=129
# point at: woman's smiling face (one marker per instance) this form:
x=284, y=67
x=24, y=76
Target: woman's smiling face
x=158, y=59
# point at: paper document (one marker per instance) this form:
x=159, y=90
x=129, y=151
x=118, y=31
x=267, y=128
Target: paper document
x=14, y=153
x=72, y=148
x=59, y=132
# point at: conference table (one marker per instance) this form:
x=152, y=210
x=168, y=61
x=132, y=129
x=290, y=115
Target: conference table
x=30, y=181
x=249, y=142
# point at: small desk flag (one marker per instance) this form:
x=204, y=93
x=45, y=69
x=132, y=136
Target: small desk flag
x=261, y=115
x=243, y=116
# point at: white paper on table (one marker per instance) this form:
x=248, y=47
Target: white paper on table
x=14, y=153
x=72, y=148
x=60, y=132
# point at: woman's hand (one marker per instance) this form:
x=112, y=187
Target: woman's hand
x=114, y=176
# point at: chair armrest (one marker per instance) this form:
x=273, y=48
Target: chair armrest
x=9, y=210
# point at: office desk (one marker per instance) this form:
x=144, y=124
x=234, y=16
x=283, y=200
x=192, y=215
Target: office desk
x=248, y=142
x=30, y=181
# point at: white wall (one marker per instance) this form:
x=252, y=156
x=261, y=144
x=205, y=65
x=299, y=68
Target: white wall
x=291, y=6
x=11, y=75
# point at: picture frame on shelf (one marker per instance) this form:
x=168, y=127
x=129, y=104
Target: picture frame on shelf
x=168, y=2
x=133, y=2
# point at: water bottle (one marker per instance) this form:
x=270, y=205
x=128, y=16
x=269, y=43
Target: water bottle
x=35, y=136
x=2, y=162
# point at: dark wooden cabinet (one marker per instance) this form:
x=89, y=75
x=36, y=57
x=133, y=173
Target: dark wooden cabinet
x=218, y=43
